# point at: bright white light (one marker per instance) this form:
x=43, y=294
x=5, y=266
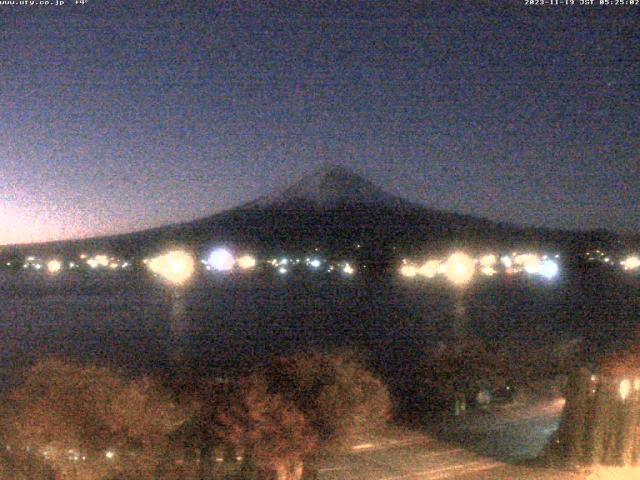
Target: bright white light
x=283, y=261
x=348, y=269
x=221, y=260
x=408, y=271
x=631, y=262
x=530, y=262
x=460, y=268
x=54, y=266
x=488, y=271
x=363, y=446
x=246, y=262
x=102, y=260
x=548, y=269
x=625, y=388
x=98, y=261
x=506, y=261
x=315, y=263
x=176, y=266
x=488, y=260
x=110, y=454
x=282, y=270
x=429, y=269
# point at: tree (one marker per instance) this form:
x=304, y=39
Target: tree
x=340, y=398
x=601, y=419
x=272, y=433
x=90, y=423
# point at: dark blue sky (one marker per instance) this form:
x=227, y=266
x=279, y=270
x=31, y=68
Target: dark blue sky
x=119, y=115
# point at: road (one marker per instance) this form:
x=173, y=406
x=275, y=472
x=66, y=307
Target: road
x=477, y=446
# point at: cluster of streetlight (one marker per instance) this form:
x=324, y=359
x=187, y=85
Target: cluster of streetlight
x=71, y=454
x=460, y=268
x=55, y=265
x=315, y=264
x=632, y=263
x=223, y=260
x=177, y=266
x=628, y=263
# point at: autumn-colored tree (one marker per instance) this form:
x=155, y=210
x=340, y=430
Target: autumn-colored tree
x=89, y=423
x=272, y=433
x=340, y=398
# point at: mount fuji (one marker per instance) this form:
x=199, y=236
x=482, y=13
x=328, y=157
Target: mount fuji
x=328, y=187
x=334, y=208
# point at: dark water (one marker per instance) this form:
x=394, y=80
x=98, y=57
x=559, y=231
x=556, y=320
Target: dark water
x=222, y=323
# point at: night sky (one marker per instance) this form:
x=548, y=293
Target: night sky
x=116, y=117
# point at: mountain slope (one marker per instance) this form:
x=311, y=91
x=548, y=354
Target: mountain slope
x=327, y=187
x=335, y=208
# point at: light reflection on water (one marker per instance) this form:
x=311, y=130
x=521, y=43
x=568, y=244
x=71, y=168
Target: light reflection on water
x=221, y=323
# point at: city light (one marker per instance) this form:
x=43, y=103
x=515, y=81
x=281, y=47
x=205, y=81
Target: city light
x=488, y=271
x=348, y=269
x=110, y=454
x=632, y=262
x=488, y=260
x=460, y=268
x=315, y=263
x=529, y=261
x=54, y=266
x=548, y=269
x=246, y=262
x=625, y=388
x=98, y=261
x=429, y=269
x=221, y=260
x=176, y=266
x=408, y=271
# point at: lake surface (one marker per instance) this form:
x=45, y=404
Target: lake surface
x=220, y=324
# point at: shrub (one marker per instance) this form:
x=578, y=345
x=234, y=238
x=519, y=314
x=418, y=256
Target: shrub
x=339, y=397
x=91, y=423
x=272, y=433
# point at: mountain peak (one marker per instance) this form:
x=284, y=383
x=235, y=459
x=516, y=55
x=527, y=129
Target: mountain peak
x=329, y=168
x=330, y=185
